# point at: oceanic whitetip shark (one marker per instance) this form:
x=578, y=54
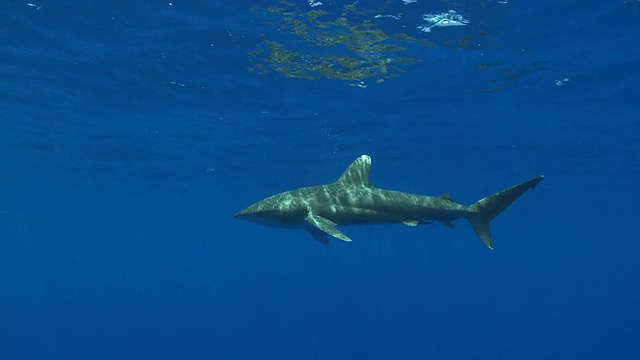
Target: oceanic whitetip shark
x=353, y=200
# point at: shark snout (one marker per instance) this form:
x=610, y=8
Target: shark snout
x=243, y=213
x=251, y=211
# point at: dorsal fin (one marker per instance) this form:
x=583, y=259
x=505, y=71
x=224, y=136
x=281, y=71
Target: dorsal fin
x=357, y=174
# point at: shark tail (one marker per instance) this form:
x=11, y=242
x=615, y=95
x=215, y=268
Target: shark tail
x=486, y=209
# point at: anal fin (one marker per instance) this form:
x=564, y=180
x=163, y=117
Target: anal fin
x=417, y=222
x=448, y=224
x=327, y=226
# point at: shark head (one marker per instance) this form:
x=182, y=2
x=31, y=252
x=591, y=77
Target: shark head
x=257, y=210
x=275, y=211
x=291, y=208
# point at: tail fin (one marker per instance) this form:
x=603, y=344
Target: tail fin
x=488, y=208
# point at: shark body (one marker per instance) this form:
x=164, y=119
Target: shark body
x=353, y=200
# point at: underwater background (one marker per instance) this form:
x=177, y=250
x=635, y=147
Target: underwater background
x=132, y=131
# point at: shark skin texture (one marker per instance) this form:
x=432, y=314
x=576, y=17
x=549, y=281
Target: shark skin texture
x=352, y=199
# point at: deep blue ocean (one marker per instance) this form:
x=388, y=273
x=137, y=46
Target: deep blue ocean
x=131, y=132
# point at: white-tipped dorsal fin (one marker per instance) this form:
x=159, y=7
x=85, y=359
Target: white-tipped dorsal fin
x=357, y=174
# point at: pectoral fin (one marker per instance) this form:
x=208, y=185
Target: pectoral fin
x=326, y=226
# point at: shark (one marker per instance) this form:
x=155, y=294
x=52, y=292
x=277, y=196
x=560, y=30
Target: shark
x=352, y=199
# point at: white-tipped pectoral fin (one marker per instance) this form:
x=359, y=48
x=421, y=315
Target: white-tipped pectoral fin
x=327, y=226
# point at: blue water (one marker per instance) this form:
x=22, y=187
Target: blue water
x=130, y=133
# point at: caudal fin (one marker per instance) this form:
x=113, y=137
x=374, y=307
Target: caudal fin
x=486, y=209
